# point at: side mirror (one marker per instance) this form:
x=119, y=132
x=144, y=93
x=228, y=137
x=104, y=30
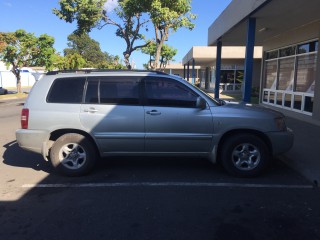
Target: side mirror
x=220, y=101
x=201, y=103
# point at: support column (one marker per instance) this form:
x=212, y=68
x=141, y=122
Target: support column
x=193, y=73
x=248, y=68
x=184, y=71
x=207, y=83
x=218, y=69
x=188, y=71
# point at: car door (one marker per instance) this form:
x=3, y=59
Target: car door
x=113, y=114
x=173, y=123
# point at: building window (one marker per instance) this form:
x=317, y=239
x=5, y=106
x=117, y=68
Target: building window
x=286, y=74
x=288, y=51
x=308, y=47
x=272, y=55
x=271, y=74
x=290, y=75
x=231, y=79
x=306, y=73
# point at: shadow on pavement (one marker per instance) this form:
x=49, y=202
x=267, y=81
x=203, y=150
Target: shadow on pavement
x=17, y=157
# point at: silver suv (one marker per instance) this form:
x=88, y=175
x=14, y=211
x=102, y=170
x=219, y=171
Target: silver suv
x=73, y=118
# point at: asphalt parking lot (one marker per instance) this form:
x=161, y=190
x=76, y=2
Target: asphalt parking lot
x=148, y=198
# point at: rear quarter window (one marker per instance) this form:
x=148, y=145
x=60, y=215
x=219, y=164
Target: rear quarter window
x=66, y=90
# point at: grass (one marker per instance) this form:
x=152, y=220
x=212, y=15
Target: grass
x=13, y=95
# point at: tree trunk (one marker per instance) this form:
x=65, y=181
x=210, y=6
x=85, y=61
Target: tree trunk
x=157, y=57
x=19, y=90
x=16, y=72
x=127, y=60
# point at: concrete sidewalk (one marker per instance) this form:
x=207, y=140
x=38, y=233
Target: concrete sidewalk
x=304, y=156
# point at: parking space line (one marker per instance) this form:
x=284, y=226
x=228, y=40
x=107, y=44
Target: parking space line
x=165, y=184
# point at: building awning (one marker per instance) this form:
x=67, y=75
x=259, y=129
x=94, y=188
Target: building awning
x=274, y=17
x=206, y=56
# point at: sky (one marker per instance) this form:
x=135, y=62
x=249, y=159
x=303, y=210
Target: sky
x=36, y=16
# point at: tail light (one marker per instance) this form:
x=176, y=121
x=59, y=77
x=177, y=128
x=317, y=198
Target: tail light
x=24, y=118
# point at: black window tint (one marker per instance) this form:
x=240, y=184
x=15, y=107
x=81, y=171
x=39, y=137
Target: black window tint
x=66, y=90
x=288, y=51
x=92, y=92
x=169, y=93
x=272, y=54
x=119, y=91
x=308, y=47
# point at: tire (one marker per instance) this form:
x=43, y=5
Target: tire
x=245, y=155
x=73, y=154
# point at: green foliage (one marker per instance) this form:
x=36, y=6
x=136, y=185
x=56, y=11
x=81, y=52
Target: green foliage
x=166, y=55
x=58, y=62
x=90, y=51
x=88, y=48
x=22, y=49
x=87, y=13
x=168, y=16
x=74, y=61
x=171, y=14
x=90, y=14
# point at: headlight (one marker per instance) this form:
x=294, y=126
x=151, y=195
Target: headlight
x=280, y=124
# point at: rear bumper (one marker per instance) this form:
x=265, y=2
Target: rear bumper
x=32, y=140
x=281, y=141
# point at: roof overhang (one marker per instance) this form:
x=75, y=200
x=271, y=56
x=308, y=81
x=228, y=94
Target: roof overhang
x=206, y=56
x=273, y=18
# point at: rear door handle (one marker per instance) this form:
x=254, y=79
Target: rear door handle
x=153, y=112
x=90, y=110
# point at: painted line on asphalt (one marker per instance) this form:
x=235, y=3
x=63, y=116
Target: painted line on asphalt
x=165, y=184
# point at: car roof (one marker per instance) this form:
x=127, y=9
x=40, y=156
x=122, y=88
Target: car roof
x=105, y=72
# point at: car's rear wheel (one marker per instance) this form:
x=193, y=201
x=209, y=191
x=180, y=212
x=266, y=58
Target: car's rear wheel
x=73, y=154
x=245, y=155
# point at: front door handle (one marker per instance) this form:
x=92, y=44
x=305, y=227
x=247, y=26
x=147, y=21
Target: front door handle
x=90, y=110
x=153, y=112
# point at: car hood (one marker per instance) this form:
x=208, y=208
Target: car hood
x=245, y=116
x=239, y=107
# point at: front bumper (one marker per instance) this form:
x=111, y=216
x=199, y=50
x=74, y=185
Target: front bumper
x=281, y=141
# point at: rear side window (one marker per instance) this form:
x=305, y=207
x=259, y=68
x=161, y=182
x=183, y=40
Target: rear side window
x=117, y=91
x=66, y=90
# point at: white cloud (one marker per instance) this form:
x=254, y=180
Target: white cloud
x=110, y=5
x=8, y=4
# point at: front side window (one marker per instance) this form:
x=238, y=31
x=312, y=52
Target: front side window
x=111, y=90
x=168, y=93
x=66, y=90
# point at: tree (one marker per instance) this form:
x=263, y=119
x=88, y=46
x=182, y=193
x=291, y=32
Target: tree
x=88, y=48
x=166, y=16
x=166, y=55
x=74, y=61
x=91, y=14
x=21, y=49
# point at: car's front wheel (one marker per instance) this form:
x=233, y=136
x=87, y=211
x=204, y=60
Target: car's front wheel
x=245, y=155
x=73, y=154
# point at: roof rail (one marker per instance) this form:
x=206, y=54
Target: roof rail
x=102, y=70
